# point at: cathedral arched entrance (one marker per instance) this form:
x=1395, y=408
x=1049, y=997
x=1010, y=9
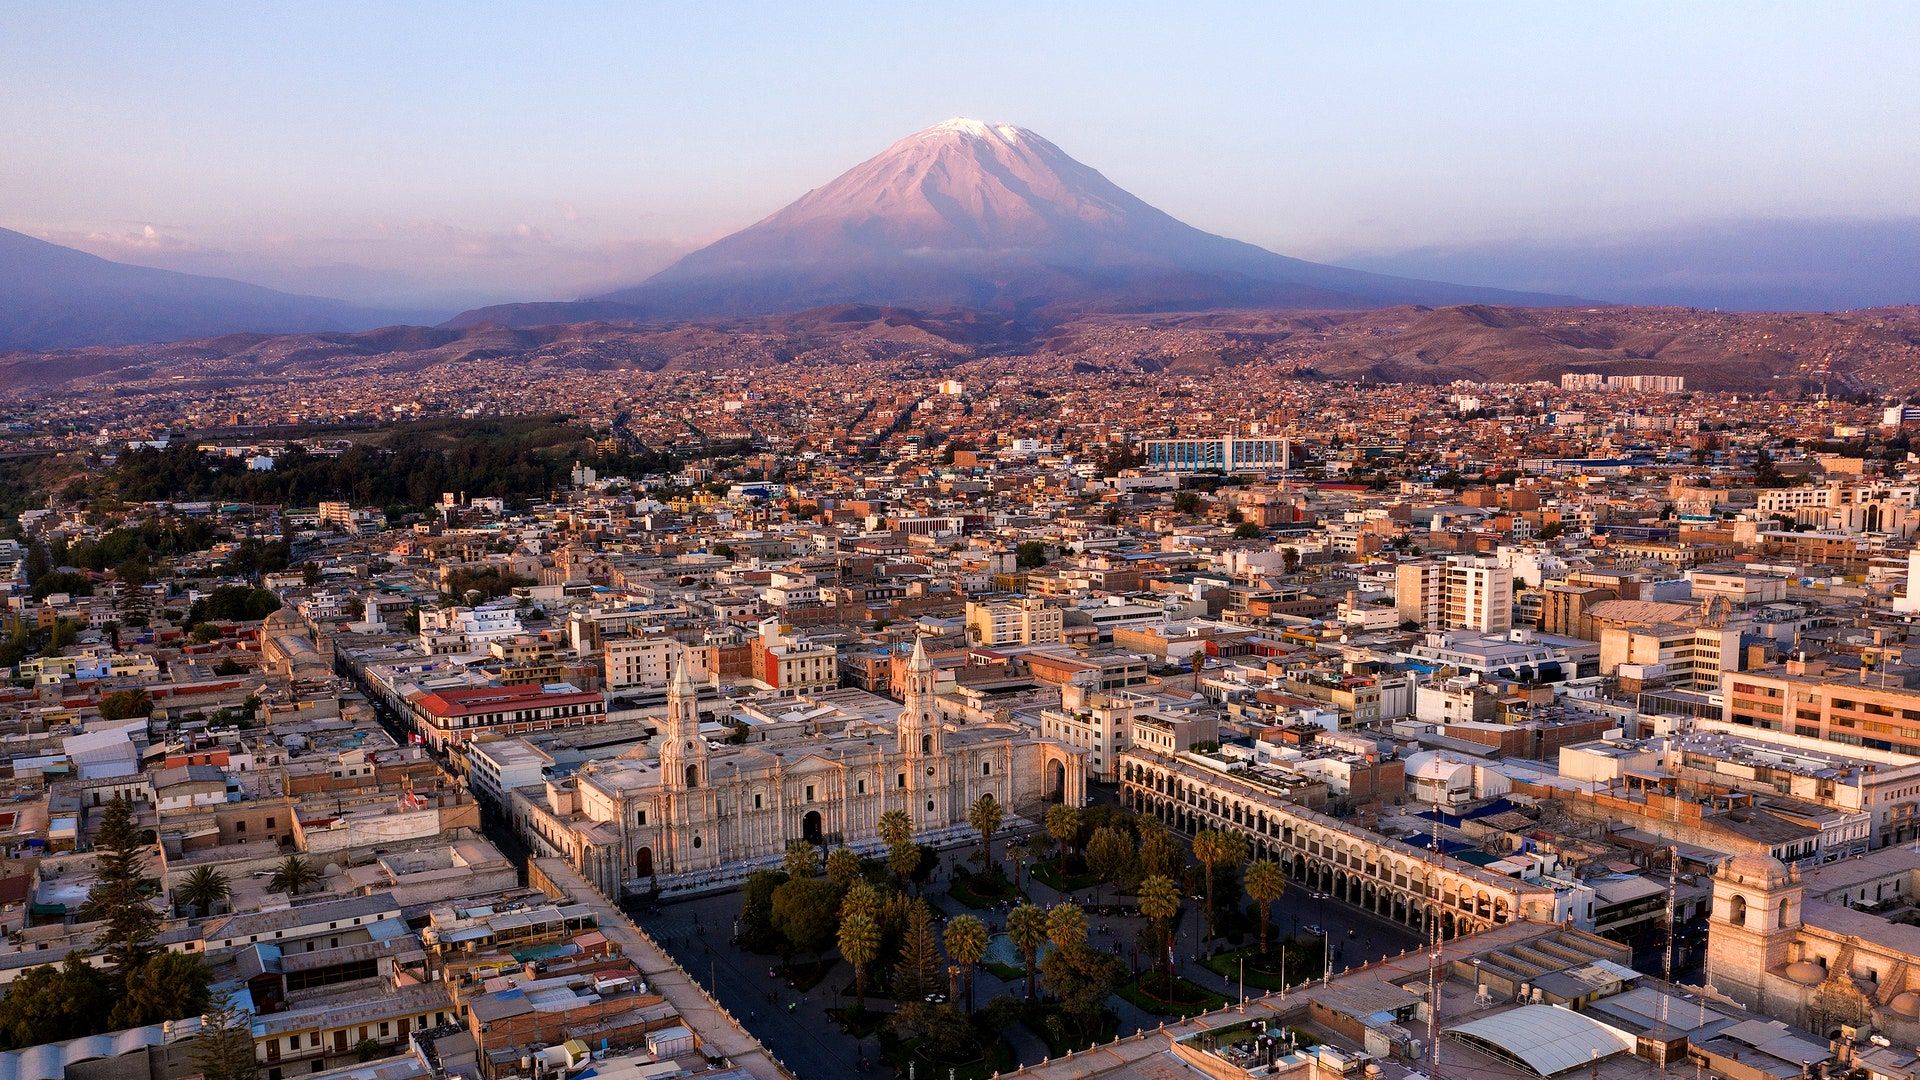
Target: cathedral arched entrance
x=810, y=828
x=643, y=863
x=1057, y=782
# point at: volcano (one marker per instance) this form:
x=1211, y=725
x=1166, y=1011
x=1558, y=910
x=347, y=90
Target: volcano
x=994, y=217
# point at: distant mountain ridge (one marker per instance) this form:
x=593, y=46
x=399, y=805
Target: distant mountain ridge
x=994, y=217
x=54, y=297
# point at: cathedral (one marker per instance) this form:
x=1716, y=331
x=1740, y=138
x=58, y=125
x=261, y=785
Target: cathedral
x=697, y=816
x=1833, y=948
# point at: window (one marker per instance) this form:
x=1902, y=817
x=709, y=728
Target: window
x=860, y=787
x=643, y=816
x=809, y=792
x=986, y=768
x=696, y=843
x=756, y=800
x=902, y=781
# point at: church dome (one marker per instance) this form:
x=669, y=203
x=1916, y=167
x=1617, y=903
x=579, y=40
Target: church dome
x=1752, y=868
x=1808, y=973
x=1906, y=1004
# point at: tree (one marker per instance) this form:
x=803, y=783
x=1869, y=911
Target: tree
x=903, y=858
x=1063, y=824
x=863, y=899
x=1215, y=848
x=917, y=973
x=167, y=987
x=895, y=828
x=125, y=705
x=803, y=860
x=843, y=865
x=985, y=817
x=859, y=945
x=121, y=897
x=804, y=911
x=293, y=876
x=966, y=941
x=1160, y=902
x=1029, y=554
x=223, y=1050
x=1186, y=502
x=1246, y=530
x=1110, y=854
x=1159, y=853
x=756, y=909
x=1066, y=925
x=942, y=1032
x=204, y=890
x=1081, y=978
x=1027, y=928
x=1266, y=882
x=52, y=1004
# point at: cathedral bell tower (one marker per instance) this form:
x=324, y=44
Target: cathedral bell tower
x=683, y=753
x=919, y=728
x=919, y=745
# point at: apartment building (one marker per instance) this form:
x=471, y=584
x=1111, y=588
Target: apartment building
x=642, y=660
x=1024, y=621
x=1462, y=592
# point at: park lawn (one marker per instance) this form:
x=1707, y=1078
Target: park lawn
x=1048, y=872
x=1050, y=1023
x=1303, y=965
x=1147, y=991
x=805, y=977
x=1007, y=973
x=981, y=890
x=859, y=1023
x=990, y=1062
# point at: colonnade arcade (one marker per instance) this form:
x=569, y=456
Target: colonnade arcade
x=1321, y=854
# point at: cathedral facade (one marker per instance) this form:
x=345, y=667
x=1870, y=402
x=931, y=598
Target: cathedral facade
x=695, y=815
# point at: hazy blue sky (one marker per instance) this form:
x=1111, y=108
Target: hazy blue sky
x=544, y=150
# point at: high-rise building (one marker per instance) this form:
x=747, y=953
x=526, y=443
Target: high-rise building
x=1463, y=592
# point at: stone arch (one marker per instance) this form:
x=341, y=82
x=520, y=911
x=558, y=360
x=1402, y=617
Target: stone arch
x=1737, y=910
x=643, y=862
x=811, y=828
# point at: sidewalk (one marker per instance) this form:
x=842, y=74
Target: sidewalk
x=720, y=1034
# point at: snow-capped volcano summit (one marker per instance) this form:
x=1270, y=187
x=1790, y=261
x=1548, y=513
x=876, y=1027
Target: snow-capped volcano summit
x=993, y=216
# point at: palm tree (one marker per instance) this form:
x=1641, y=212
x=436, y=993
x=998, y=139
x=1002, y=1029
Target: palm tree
x=985, y=816
x=1017, y=854
x=204, y=890
x=1063, y=824
x=802, y=860
x=1027, y=927
x=1266, y=882
x=895, y=827
x=1215, y=848
x=1066, y=925
x=859, y=944
x=904, y=859
x=843, y=865
x=294, y=876
x=1160, y=902
x=863, y=899
x=966, y=941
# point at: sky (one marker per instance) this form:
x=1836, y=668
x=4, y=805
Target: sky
x=457, y=153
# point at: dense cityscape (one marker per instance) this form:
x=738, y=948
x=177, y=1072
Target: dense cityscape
x=1007, y=724
x=1277, y=541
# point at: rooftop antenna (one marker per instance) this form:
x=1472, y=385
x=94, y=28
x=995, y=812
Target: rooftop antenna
x=1673, y=885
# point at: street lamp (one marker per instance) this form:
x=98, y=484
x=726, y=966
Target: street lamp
x=1326, y=958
